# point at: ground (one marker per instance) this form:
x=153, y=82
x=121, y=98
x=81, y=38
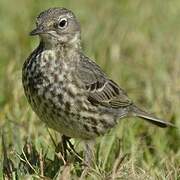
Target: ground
x=137, y=43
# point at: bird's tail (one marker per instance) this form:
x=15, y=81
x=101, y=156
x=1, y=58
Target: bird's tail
x=137, y=112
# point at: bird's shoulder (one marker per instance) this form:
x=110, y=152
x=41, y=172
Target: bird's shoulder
x=100, y=89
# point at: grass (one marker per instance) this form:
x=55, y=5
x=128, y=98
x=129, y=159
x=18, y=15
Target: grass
x=137, y=44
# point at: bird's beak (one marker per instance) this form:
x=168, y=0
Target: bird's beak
x=37, y=31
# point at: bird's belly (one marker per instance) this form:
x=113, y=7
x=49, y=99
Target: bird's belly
x=68, y=115
x=62, y=104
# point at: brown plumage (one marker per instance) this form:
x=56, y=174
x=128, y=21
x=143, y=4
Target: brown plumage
x=66, y=89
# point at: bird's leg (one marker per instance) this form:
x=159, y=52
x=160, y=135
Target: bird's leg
x=88, y=157
x=89, y=153
x=65, y=148
x=68, y=146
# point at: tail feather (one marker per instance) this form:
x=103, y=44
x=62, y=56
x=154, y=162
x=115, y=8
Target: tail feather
x=135, y=111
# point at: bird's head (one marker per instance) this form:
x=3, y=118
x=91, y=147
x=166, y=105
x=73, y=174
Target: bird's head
x=57, y=26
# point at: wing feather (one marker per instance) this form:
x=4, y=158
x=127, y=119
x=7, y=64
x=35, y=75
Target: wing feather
x=100, y=89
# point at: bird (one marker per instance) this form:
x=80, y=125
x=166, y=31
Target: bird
x=69, y=91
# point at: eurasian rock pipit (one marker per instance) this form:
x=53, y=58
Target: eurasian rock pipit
x=66, y=89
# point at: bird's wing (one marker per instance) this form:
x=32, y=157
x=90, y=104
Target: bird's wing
x=100, y=89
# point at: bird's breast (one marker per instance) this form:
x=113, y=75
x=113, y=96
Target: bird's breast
x=49, y=81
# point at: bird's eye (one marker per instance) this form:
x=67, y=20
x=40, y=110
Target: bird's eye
x=63, y=23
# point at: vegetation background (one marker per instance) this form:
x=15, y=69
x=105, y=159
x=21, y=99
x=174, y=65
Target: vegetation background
x=137, y=43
